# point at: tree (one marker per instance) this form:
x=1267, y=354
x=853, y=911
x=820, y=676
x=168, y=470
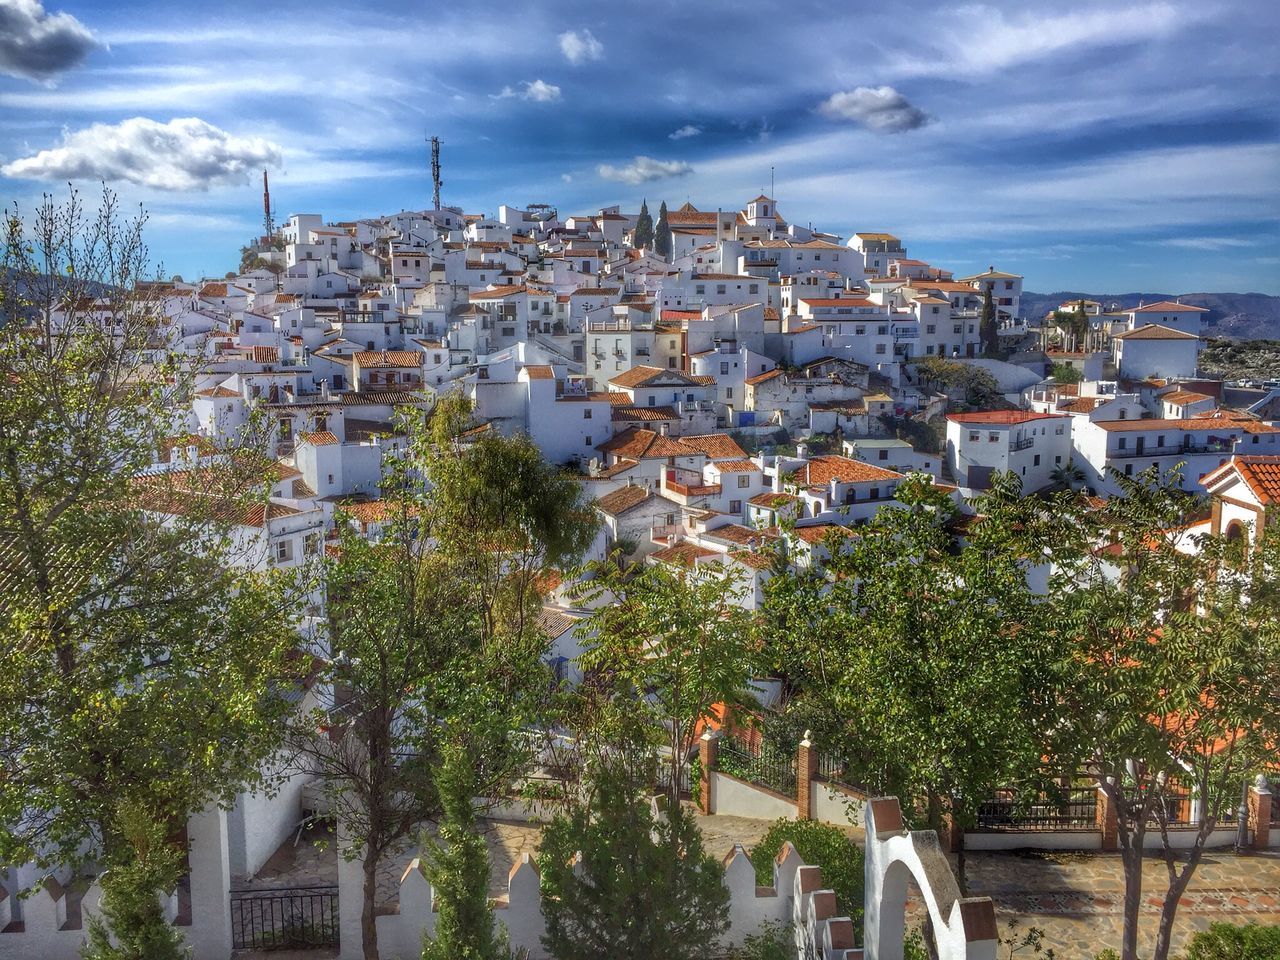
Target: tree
x=1065, y=373
x=432, y=630
x=1173, y=656
x=130, y=911
x=1068, y=475
x=675, y=643
x=619, y=882
x=988, y=331
x=458, y=870
x=825, y=846
x=980, y=388
x=643, y=235
x=662, y=233
x=140, y=660
x=921, y=654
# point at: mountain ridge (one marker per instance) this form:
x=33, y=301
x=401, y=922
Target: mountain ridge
x=1237, y=316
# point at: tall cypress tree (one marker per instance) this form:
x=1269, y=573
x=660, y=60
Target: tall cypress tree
x=662, y=233
x=987, y=326
x=643, y=236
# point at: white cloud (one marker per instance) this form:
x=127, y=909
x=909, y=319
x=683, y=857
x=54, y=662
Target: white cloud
x=1206, y=243
x=979, y=40
x=579, y=47
x=688, y=130
x=878, y=108
x=183, y=154
x=539, y=91
x=643, y=169
x=39, y=45
x=567, y=177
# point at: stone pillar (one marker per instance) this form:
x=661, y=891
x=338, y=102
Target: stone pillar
x=708, y=746
x=806, y=771
x=209, y=935
x=1260, y=813
x=1108, y=824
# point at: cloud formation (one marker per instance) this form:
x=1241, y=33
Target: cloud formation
x=643, y=169
x=688, y=130
x=38, y=45
x=579, y=47
x=877, y=108
x=539, y=91
x=184, y=154
x=1206, y=243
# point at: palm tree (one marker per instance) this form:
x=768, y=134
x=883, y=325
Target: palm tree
x=1068, y=475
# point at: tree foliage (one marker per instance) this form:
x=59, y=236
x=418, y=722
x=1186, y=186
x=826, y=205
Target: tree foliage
x=1065, y=373
x=988, y=329
x=662, y=233
x=642, y=237
x=975, y=386
x=825, y=846
x=618, y=881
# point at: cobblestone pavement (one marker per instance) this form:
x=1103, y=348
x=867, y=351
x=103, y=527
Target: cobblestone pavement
x=1075, y=898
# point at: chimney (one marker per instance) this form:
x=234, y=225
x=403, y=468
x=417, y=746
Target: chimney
x=324, y=389
x=802, y=451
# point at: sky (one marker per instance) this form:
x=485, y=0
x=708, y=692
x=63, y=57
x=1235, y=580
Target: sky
x=1104, y=147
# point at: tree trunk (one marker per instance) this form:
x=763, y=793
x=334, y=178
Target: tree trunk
x=1132, y=859
x=368, y=917
x=1168, y=911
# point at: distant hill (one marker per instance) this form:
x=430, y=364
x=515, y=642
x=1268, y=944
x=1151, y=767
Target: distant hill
x=1240, y=316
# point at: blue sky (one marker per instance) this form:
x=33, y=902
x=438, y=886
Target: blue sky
x=1109, y=147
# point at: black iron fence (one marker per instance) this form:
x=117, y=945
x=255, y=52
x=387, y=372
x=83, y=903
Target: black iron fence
x=286, y=918
x=835, y=769
x=1075, y=808
x=777, y=773
x=1275, y=806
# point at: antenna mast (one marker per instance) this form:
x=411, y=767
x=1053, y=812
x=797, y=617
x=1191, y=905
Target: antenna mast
x=435, y=172
x=268, y=222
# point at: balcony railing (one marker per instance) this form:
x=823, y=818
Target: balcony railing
x=1022, y=444
x=692, y=490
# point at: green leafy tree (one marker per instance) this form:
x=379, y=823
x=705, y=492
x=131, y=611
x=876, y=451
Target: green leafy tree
x=619, y=882
x=130, y=924
x=458, y=870
x=1066, y=373
x=141, y=656
x=1173, y=646
x=1225, y=941
x=642, y=237
x=977, y=387
x=920, y=653
x=662, y=233
x=676, y=634
x=824, y=845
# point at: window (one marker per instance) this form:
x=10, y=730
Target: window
x=993, y=437
x=931, y=328
x=859, y=331
x=311, y=544
x=974, y=436
x=744, y=480
x=653, y=401
x=1160, y=440
x=1128, y=469
x=1057, y=459
x=884, y=454
x=724, y=368
x=700, y=289
x=735, y=506
x=728, y=393
x=875, y=493
x=1036, y=461
x=1123, y=413
x=284, y=551
x=956, y=329
x=880, y=348
x=1008, y=284
x=882, y=331
x=1124, y=443
x=586, y=414
x=720, y=288
x=753, y=288
x=586, y=441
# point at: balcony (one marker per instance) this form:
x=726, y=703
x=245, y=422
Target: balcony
x=687, y=483
x=1022, y=444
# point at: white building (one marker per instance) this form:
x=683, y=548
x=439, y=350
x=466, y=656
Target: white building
x=1030, y=445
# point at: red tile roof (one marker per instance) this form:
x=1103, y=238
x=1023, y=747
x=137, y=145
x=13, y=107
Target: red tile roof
x=822, y=470
x=619, y=501
x=1005, y=418
x=1167, y=306
x=1155, y=331
x=1261, y=474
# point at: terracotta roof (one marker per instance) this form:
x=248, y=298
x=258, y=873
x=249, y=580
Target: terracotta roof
x=822, y=470
x=684, y=553
x=1262, y=474
x=218, y=392
x=213, y=290
x=838, y=302
x=737, y=466
x=552, y=623
x=367, y=511
x=737, y=533
x=622, y=414
x=389, y=358
x=1082, y=405
x=1155, y=331
x=497, y=293
x=623, y=499
x=540, y=372
x=1000, y=417
x=762, y=377
x=263, y=354
x=321, y=438
x=1167, y=306
x=772, y=500
x=717, y=446
x=636, y=443
x=750, y=558
x=1186, y=423
x=365, y=397
x=1184, y=396
x=640, y=374
x=816, y=533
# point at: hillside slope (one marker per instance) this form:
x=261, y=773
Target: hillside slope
x=1242, y=316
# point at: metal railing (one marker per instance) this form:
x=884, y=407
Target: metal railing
x=289, y=918
x=835, y=769
x=777, y=773
x=1075, y=809
x=1022, y=444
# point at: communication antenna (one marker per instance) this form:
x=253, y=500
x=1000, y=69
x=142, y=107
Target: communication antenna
x=268, y=221
x=435, y=172
x=771, y=185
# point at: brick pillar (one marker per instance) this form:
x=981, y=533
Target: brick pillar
x=806, y=770
x=1107, y=821
x=708, y=745
x=1260, y=813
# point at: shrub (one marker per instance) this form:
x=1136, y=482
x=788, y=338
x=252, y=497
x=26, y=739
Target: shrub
x=771, y=942
x=1224, y=941
x=827, y=847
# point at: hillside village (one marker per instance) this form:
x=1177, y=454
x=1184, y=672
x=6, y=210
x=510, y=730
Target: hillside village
x=732, y=393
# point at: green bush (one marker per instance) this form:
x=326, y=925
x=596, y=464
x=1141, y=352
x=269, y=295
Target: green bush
x=825, y=846
x=1224, y=941
x=772, y=941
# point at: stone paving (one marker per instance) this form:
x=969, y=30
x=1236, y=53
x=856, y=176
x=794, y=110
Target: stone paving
x=1075, y=898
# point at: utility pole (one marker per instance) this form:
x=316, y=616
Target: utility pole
x=772, y=187
x=435, y=172
x=268, y=222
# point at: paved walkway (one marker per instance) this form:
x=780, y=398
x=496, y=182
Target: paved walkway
x=1075, y=898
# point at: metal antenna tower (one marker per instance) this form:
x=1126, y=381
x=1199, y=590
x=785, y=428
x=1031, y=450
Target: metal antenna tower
x=268, y=221
x=435, y=172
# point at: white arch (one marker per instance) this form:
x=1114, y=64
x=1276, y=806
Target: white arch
x=965, y=928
